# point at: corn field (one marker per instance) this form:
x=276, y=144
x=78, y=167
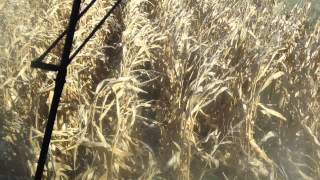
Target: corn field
x=166, y=89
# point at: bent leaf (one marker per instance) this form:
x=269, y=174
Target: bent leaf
x=268, y=112
x=271, y=78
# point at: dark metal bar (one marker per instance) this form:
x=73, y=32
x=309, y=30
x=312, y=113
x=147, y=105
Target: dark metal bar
x=62, y=72
x=60, y=81
x=44, y=66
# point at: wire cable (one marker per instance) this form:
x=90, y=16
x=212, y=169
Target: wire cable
x=95, y=29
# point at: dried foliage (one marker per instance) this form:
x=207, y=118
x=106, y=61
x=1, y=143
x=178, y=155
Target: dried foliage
x=188, y=89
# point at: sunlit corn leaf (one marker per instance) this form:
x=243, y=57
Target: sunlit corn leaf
x=270, y=112
x=271, y=79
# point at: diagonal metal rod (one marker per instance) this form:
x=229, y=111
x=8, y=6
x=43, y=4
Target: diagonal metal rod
x=95, y=29
x=60, y=81
x=37, y=63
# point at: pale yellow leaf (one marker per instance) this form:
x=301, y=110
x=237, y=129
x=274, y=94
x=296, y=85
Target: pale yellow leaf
x=272, y=112
x=271, y=78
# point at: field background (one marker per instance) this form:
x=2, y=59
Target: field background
x=170, y=89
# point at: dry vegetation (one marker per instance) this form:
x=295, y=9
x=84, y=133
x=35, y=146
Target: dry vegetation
x=171, y=89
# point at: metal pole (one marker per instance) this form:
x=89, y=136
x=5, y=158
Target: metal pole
x=62, y=72
x=60, y=81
